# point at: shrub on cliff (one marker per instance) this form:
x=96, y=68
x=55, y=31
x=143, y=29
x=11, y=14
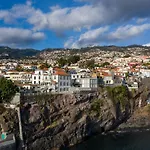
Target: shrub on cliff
x=96, y=106
x=2, y=109
x=7, y=90
x=119, y=94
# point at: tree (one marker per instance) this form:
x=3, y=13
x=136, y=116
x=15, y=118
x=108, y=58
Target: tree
x=90, y=64
x=62, y=62
x=73, y=59
x=119, y=94
x=19, y=68
x=44, y=65
x=8, y=90
x=105, y=64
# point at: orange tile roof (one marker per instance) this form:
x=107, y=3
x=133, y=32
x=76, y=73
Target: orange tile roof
x=12, y=71
x=58, y=69
x=106, y=74
x=134, y=70
x=61, y=73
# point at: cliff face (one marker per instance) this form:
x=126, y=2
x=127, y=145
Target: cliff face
x=9, y=120
x=62, y=120
x=58, y=121
x=140, y=116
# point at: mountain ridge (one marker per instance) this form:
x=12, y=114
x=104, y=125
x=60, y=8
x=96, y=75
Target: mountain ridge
x=16, y=53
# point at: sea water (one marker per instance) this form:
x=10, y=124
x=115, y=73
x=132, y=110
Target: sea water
x=126, y=141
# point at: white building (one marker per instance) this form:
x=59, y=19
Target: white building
x=40, y=77
x=62, y=79
x=89, y=83
x=54, y=79
x=108, y=80
x=13, y=75
x=145, y=73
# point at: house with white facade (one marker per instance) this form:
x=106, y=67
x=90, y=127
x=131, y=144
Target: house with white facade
x=91, y=83
x=53, y=79
x=13, y=75
x=145, y=73
x=61, y=78
x=40, y=77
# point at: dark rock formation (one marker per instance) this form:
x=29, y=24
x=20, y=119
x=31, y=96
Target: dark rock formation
x=63, y=120
x=67, y=119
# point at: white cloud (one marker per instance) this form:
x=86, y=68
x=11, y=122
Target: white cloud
x=29, y=2
x=69, y=42
x=128, y=31
x=90, y=37
x=97, y=36
x=141, y=20
x=95, y=13
x=89, y=15
x=148, y=44
x=19, y=37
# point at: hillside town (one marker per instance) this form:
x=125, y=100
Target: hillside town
x=85, y=72
x=64, y=73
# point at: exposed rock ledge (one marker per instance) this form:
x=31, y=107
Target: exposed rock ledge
x=64, y=120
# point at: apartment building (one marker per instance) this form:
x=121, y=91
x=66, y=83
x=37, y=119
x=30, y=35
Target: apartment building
x=40, y=77
x=62, y=79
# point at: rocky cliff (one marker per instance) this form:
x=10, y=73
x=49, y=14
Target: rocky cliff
x=63, y=120
x=58, y=121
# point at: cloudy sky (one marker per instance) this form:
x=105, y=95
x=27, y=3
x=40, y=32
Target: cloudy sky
x=74, y=23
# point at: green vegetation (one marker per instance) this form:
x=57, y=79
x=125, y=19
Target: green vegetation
x=127, y=56
x=105, y=64
x=44, y=65
x=19, y=68
x=119, y=94
x=148, y=108
x=96, y=106
x=17, y=53
x=146, y=64
x=52, y=125
x=90, y=64
x=2, y=109
x=127, y=75
x=7, y=90
x=73, y=59
x=67, y=61
x=62, y=62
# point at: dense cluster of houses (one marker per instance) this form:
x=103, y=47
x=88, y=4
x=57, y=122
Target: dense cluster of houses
x=31, y=78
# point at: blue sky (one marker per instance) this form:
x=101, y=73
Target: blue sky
x=41, y=24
